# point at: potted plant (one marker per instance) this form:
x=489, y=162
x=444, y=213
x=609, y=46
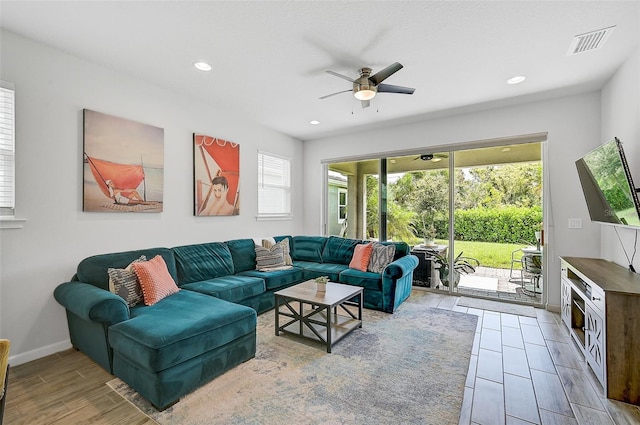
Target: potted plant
x=321, y=283
x=461, y=265
x=423, y=228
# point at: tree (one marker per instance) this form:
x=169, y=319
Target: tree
x=404, y=189
x=517, y=185
x=373, y=220
x=398, y=216
x=430, y=200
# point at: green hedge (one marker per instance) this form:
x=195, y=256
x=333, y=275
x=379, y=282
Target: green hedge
x=504, y=225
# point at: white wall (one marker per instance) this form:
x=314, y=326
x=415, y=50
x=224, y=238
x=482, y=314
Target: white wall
x=52, y=88
x=621, y=118
x=572, y=123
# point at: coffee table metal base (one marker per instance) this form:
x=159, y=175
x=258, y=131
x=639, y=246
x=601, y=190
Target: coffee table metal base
x=317, y=321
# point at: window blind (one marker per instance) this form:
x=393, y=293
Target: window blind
x=274, y=185
x=7, y=149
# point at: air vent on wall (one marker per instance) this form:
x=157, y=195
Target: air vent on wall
x=589, y=41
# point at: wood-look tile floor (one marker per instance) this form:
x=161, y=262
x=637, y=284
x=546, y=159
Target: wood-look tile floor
x=522, y=371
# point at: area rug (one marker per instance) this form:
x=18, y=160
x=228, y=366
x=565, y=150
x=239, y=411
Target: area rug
x=502, y=307
x=405, y=368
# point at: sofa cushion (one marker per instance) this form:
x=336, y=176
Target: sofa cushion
x=179, y=328
x=93, y=269
x=287, y=255
x=124, y=283
x=308, y=248
x=243, y=254
x=276, y=278
x=155, y=280
x=381, y=257
x=269, y=258
x=232, y=288
x=313, y=270
x=368, y=280
x=286, y=249
x=203, y=261
x=339, y=250
x=402, y=249
x=361, y=256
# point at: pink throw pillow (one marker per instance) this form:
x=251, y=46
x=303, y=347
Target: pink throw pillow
x=155, y=280
x=361, y=256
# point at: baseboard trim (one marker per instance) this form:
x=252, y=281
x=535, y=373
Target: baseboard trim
x=21, y=358
x=553, y=308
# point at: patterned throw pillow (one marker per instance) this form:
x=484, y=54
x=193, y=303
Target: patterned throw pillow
x=381, y=257
x=361, y=256
x=266, y=243
x=124, y=282
x=269, y=258
x=155, y=280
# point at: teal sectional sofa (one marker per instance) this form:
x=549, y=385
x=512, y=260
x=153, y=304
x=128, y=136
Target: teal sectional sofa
x=168, y=349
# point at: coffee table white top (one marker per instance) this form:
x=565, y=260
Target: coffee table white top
x=335, y=293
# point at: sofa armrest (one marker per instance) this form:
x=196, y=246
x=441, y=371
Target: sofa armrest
x=401, y=267
x=397, y=280
x=92, y=303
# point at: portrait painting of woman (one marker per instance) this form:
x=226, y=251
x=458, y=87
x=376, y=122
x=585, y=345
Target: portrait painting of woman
x=216, y=176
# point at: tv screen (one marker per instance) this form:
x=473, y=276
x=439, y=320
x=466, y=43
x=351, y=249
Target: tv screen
x=608, y=187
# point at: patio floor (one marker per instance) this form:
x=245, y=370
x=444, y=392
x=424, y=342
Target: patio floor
x=494, y=283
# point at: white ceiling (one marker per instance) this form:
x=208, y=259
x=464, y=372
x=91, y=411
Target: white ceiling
x=269, y=57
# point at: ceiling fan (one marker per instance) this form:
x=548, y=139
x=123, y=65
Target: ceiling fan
x=366, y=86
x=433, y=157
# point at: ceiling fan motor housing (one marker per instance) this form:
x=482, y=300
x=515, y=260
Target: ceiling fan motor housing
x=363, y=83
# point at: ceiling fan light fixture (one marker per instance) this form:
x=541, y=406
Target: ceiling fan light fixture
x=364, y=92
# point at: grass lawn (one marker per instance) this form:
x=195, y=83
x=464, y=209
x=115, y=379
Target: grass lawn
x=496, y=255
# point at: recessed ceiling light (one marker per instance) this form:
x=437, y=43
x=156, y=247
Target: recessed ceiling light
x=516, y=80
x=202, y=66
x=314, y=122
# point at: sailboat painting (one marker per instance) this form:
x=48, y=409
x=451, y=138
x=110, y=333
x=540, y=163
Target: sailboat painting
x=216, y=176
x=123, y=164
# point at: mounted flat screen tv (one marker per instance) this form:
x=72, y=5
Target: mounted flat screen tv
x=608, y=187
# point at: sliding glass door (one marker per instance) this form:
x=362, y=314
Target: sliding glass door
x=470, y=216
x=498, y=222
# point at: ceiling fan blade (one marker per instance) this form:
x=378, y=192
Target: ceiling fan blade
x=333, y=94
x=380, y=76
x=365, y=103
x=344, y=77
x=388, y=88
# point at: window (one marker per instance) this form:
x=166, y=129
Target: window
x=7, y=150
x=342, y=205
x=274, y=186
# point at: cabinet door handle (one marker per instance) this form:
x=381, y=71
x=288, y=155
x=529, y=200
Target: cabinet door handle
x=595, y=298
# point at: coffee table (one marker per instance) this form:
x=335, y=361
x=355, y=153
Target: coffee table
x=314, y=315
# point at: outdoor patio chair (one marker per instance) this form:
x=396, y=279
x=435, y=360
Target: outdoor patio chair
x=516, y=259
x=531, y=272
